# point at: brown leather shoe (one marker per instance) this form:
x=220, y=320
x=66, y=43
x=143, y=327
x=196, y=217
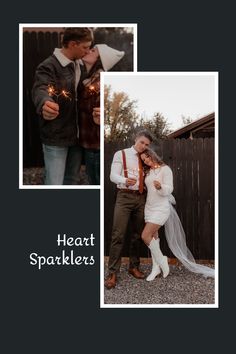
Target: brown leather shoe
x=136, y=273
x=110, y=282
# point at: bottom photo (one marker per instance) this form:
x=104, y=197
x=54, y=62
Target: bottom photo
x=159, y=202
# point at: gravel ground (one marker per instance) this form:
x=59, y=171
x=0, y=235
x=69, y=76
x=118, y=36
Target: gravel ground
x=34, y=176
x=180, y=287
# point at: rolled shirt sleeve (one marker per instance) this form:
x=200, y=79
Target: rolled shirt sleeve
x=117, y=169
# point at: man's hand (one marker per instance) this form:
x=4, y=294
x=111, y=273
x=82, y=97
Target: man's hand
x=50, y=110
x=130, y=181
x=96, y=115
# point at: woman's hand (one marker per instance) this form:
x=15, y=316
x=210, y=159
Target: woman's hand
x=157, y=184
x=96, y=115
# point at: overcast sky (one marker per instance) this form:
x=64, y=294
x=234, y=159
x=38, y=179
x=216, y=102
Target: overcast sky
x=173, y=95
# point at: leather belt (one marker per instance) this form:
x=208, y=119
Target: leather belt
x=133, y=191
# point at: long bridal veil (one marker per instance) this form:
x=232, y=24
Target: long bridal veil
x=176, y=240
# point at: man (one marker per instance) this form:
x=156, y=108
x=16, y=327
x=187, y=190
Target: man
x=127, y=173
x=55, y=97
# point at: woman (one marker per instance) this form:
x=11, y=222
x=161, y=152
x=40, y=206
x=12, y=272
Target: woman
x=158, y=212
x=101, y=58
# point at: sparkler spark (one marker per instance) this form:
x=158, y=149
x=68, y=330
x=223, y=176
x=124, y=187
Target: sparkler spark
x=94, y=89
x=133, y=172
x=65, y=94
x=53, y=92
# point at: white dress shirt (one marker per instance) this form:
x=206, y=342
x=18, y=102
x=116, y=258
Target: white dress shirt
x=132, y=164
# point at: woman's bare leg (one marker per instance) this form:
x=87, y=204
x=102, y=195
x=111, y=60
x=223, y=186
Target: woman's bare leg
x=149, y=231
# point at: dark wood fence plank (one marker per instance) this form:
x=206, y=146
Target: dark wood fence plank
x=36, y=48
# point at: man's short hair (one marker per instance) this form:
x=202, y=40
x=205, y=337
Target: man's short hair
x=80, y=34
x=146, y=133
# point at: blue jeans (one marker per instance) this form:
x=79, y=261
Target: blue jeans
x=92, y=162
x=62, y=164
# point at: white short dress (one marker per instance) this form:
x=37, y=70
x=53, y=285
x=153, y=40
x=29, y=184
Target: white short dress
x=157, y=207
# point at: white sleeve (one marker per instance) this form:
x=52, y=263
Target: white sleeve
x=167, y=182
x=117, y=168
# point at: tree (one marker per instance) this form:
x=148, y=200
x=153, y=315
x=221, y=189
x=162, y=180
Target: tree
x=121, y=121
x=120, y=117
x=186, y=120
x=157, y=125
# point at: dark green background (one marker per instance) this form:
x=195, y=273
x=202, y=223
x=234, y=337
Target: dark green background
x=57, y=310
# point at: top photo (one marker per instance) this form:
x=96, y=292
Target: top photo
x=59, y=86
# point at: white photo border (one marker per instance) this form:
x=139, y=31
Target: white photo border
x=52, y=25
x=215, y=74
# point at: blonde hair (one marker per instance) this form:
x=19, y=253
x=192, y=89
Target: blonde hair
x=80, y=34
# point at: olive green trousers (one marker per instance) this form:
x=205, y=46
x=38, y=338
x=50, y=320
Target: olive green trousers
x=129, y=207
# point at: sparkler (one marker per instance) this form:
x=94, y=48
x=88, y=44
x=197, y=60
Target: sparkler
x=94, y=89
x=94, y=93
x=53, y=92
x=133, y=173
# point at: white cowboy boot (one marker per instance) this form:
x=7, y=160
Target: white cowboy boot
x=156, y=270
x=158, y=257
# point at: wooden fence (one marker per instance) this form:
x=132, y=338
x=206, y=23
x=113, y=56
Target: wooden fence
x=36, y=48
x=192, y=163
